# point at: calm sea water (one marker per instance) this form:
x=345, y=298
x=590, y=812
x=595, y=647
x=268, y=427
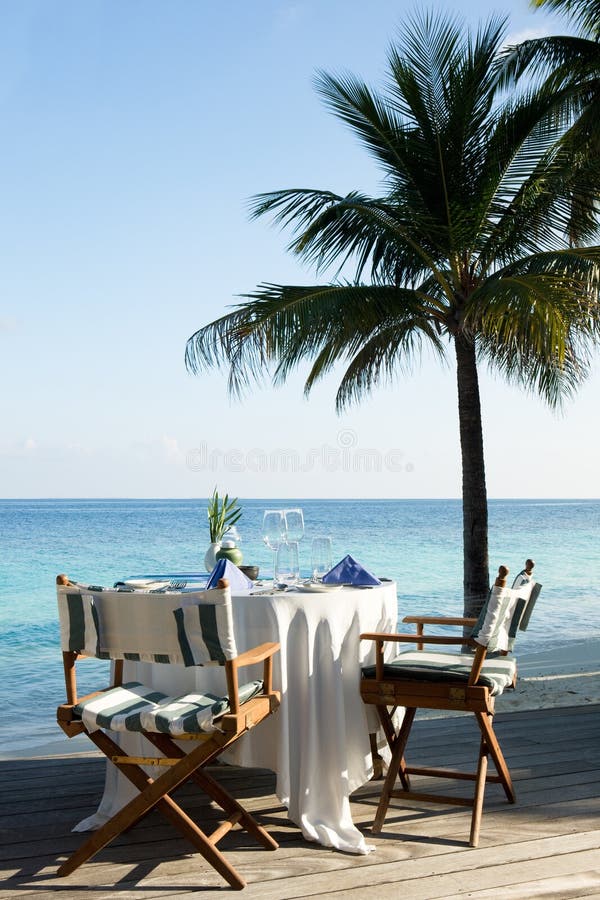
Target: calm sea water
x=417, y=543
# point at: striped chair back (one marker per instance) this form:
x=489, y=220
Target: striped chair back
x=506, y=611
x=192, y=628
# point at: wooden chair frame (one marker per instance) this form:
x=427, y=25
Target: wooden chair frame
x=387, y=693
x=179, y=765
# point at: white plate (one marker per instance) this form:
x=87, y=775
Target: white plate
x=146, y=584
x=318, y=588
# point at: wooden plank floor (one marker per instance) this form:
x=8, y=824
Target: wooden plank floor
x=545, y=846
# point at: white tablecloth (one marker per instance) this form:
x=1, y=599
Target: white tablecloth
x=317, y=743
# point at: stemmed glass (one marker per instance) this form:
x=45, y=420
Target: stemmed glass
x=273, y=532
x=294, y=524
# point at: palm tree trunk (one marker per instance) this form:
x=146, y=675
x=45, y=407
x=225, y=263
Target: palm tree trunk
x=475, y=512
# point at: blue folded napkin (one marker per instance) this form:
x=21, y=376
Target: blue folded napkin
x=348, y=571
x=226, y=569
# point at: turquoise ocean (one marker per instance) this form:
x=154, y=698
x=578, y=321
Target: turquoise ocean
x=418, y=543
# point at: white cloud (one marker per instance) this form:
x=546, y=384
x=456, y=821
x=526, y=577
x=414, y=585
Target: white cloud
x=44, y=450
x=19, y=448
x=528, y=34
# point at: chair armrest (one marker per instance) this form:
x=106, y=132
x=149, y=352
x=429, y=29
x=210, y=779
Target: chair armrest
x=418, y=638
x=262, y=653
x=437, y=620
x=255, y=654
x=440, y=620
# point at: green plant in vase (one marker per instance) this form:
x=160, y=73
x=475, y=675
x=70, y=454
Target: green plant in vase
x=223, y=514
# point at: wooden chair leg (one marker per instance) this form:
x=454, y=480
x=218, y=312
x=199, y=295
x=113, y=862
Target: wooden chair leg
x=485, y=723
x=388, y=786
x=156, y=794
x=396, y=762
x=231, y=806
x=403, y=735
x=390, y=733
x=482, y=766
x=376, y=757
x=180, y=819
x=217, y=793
x=387, y=724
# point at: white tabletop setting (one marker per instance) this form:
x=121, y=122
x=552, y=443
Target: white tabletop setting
x=318, y=742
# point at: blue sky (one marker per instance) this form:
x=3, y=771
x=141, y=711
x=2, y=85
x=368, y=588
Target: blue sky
x=134, y=135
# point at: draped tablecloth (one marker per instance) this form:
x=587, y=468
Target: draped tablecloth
x=317, y=743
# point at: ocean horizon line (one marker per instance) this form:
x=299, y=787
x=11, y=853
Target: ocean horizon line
x=295, y=498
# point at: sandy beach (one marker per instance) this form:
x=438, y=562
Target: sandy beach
x=569, y=676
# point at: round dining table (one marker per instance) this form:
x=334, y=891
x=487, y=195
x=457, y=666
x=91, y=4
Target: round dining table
x=318, y=742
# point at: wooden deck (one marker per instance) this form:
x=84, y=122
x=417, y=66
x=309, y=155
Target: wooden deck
x=546, y=846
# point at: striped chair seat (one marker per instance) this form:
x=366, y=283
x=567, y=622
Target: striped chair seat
x=428, y=665
x=135, y=707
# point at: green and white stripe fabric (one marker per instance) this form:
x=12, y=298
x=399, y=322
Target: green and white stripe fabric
x=135, y=707
x=202, y=632
x=430, y=665
x=492, y=628
x=505, y=611
x=118, y=709
x=529, y=590
x=140, y=625
x=78, y=617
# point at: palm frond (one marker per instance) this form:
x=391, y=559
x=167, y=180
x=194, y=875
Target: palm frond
x=370, y=118
x=389, y=352
x=586, y=13
x=531, y=207
x=564, y=57
x=553, y=381
x=537, y=321
x=295, y=207
x=440, y=76
x=280, y=326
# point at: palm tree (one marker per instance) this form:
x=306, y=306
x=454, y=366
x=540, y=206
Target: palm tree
x=464, y=249
x=570, y=64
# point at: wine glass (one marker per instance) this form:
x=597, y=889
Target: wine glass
x=273, y=531
x=294, y=524
x=320, y=557
x=287, y=568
